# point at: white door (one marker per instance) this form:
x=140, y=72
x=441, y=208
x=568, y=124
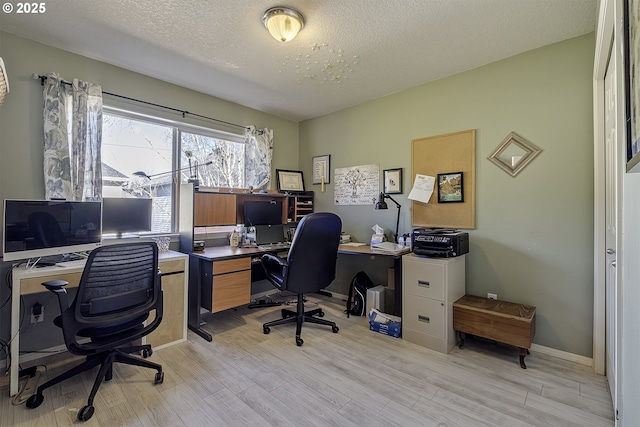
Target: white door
x=611, y=217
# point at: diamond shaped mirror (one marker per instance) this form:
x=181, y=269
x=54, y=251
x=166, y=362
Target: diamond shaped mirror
x=513, y=154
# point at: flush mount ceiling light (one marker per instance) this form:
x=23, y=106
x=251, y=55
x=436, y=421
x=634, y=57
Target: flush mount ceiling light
x=283, y=22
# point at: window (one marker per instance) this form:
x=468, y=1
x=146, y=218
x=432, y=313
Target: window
x=139, y=155
x=227, y=157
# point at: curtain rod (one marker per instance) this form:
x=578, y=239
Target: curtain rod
x=43, y=79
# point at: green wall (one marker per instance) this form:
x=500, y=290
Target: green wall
x=533, y=241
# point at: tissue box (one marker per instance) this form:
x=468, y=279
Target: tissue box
x=377, y=238
x=385, y=323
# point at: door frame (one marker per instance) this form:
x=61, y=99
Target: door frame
x=608, y=37
x=604, y=44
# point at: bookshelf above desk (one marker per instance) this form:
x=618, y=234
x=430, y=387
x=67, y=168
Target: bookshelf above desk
x=227, y=208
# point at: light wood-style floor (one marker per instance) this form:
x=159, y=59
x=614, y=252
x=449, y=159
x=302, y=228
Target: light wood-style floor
x=353, y=378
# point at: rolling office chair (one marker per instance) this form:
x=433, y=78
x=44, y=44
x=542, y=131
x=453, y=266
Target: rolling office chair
x=310, y=266
x=119, y=287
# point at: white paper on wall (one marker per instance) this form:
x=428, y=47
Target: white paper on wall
x=422, y=188
x=357, y=185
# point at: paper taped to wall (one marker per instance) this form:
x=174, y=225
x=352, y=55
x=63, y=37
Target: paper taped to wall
x=422, y=188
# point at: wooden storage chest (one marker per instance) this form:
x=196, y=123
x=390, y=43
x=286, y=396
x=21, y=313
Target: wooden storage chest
x=501, y=321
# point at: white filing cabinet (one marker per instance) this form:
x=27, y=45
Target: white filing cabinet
x=430, y=286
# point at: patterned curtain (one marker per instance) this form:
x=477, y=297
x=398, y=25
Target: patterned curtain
x=72, y=138
x=258, y=157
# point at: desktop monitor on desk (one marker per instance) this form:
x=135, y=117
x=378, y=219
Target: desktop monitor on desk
x=269, y=234
x=126, y=215
x=37, y=228
x=262, y=213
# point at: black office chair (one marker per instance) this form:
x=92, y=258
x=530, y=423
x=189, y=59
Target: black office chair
x=310, y=266
x=120, y=286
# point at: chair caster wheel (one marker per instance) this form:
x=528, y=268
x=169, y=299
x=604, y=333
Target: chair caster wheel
x=34, y=401
x=147, y=353
x=299, y=342
x=159, y=378
x=266, y=330
x=335, y=329
x=321, y=314
x=85, y=413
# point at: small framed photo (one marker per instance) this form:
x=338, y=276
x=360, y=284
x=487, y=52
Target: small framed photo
x=392, y=181
x=289, y=181
x=450, y=188
x=321, y=168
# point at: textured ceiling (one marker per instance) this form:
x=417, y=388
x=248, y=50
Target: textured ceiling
x=349, y=52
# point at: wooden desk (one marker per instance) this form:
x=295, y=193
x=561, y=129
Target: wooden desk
x=172, y=329
x=219, y=279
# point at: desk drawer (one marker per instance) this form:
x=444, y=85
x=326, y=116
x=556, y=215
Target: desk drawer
x=424, y=315
x=424, y=279
x=231, y=265
x=34, y=285
x=172, y=266
x=230, y=290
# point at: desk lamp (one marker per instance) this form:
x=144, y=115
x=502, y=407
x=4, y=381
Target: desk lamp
x=193, y=178
x=381, y=204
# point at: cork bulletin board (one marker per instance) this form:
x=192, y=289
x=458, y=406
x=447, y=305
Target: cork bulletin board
x=443, y=154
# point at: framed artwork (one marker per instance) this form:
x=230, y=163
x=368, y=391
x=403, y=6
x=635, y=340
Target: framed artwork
x=450, y=188
x=289, y=181
x=392, y=179
x=632, y=81
x=321, y=168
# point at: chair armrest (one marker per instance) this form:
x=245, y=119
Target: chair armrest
x=276, y=270
x=270, y=258
x=56, y=286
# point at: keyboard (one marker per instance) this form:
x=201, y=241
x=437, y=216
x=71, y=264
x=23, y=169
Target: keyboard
x=275, y=246
x=74, y=263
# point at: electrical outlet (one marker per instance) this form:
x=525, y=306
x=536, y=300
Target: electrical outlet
x=36, y=318
x=492, y=296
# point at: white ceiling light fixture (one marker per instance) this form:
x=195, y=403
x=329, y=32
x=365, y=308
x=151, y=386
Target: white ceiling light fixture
x=284, y=23
x=4, y=83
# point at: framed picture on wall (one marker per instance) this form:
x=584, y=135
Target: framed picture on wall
x=321, y=167
x=450, y=188
x=392, y=179
x=632, y=83
x=289, y=181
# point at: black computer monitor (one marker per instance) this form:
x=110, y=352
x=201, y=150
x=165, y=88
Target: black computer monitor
x=38, y=228
x=268, y=212
x=126, y=215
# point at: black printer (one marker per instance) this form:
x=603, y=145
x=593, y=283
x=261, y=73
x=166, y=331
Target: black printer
x=439, y=242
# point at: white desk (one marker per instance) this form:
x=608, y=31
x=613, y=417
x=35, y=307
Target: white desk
x=173, y=328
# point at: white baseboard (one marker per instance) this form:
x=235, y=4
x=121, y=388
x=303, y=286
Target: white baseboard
x=588, y=361
x=339, y=296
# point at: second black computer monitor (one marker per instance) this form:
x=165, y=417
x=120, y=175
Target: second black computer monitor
x=262, y=213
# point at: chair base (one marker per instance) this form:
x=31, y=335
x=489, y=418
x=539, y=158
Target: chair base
x=298, y=317
x=106, y=361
